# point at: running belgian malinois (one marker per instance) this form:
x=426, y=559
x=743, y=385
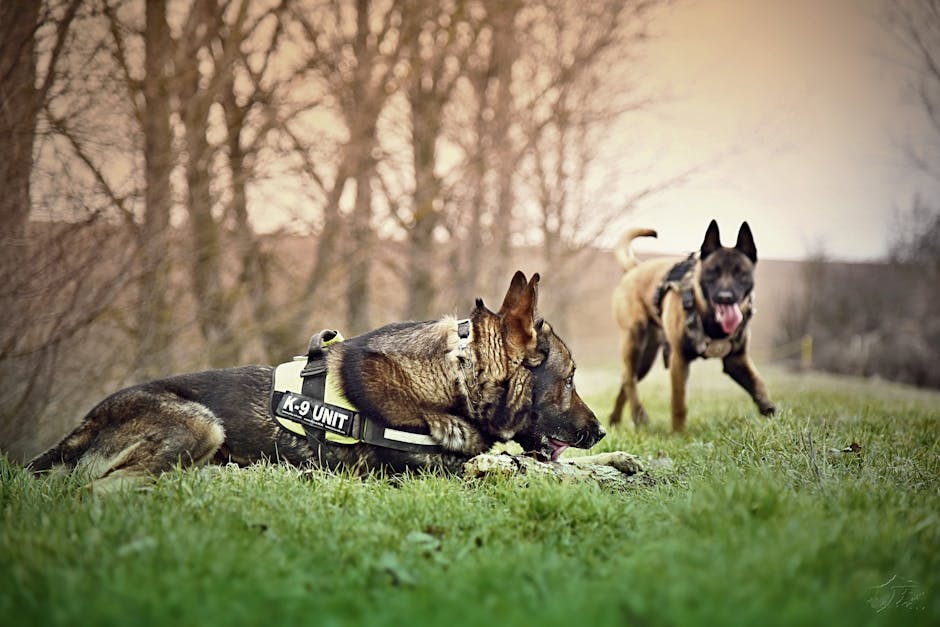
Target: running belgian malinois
x=698, y=307
x=406, y=396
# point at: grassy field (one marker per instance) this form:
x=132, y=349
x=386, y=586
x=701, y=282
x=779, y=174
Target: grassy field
x=754, y=523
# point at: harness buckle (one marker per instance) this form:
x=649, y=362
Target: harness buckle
x=463, y=334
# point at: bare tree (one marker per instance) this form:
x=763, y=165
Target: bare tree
x=154, y=318
x=252, y=113
x=481, y=191
x=916, y=26
x=50, y=298
x=19, y=109
x=916, y=241
x=440, y=40
x=23, y=93
x=146, y=90
x=577, y=85
x=356, y=49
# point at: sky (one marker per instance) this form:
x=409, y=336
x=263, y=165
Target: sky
x=793, y=114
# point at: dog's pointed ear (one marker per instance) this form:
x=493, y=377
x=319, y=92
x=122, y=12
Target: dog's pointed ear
x=746, y=243
x=712, y=240
x=514, y=293
x=518, y=313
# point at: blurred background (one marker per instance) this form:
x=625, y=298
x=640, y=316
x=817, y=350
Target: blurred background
x=205, y=183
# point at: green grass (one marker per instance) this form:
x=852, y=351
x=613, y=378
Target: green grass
x=755, y=524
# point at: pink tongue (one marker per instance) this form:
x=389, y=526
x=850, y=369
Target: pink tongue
x=729, y=317
x=558, y=448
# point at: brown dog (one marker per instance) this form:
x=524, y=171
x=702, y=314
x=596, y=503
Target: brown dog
x=699, y=307
x=409, y=395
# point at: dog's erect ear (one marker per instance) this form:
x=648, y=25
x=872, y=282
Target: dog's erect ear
x=516, y=289
x=746, y=243
x=518, y=313
x=712, y=240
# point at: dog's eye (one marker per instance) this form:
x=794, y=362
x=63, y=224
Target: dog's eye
x=569, y=382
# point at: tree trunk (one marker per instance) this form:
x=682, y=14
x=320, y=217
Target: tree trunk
x=505, y=52
x=214, y=309
x=254, y=280
x=360, y=258
x=154, y=315
x=426, y=125
x=19, y=108
x=363, y=117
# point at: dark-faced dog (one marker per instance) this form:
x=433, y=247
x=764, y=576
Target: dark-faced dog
x=699, y=307
x=448, y=395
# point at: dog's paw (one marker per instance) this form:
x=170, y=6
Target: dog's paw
x=767, y=408
x=624, y=462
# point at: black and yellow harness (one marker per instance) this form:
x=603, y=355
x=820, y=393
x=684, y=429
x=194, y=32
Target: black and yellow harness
x=307, y=401
x=681, y=279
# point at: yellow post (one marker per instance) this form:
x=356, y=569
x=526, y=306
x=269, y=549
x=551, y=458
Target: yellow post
x=806, y=352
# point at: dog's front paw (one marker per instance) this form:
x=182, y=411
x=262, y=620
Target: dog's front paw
x=640, y=417
x=624, y=462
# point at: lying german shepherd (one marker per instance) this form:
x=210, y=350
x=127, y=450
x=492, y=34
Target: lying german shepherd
x=446, y=395
x=699, y=307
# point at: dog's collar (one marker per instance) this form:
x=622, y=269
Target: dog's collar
x=464, y=331
x=465, y=359
x=309, y=403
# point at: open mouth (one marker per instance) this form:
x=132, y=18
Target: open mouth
x=558, y=447
x=728, y=316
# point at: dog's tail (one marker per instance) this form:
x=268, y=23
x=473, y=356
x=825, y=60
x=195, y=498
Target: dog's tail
x=624, y=249
x=65, y=453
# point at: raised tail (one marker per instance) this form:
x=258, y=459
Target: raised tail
x=624, y=249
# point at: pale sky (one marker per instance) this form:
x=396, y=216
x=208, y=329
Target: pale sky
x=797, y=111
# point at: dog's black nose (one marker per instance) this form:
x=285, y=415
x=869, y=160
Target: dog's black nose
x=593, y=435
x=724, y=297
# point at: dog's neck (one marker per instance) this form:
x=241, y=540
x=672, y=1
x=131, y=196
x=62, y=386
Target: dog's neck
x=493, y=385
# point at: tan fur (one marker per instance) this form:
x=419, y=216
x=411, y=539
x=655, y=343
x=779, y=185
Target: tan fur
x=643, y=330
x=624, y=251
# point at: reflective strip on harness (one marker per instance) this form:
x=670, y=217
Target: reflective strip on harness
x=407, y=436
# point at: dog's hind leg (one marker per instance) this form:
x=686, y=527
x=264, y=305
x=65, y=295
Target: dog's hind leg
x=740, y=368
x=128, y=453
x=647, y=355
x=148, y=457
x=636, y=363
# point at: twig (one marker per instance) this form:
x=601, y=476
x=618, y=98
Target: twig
x=812, y=455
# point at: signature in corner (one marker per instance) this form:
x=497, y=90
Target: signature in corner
x=897, y=592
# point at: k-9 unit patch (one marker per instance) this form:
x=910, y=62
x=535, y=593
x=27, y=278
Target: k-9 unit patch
x=313, y=413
